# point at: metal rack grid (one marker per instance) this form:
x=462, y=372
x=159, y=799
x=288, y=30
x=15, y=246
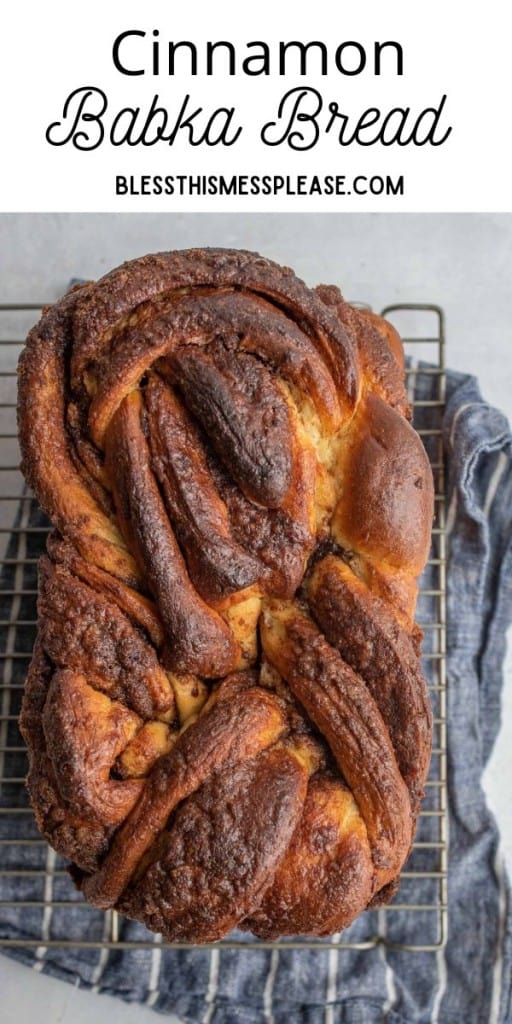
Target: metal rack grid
x=424, y=881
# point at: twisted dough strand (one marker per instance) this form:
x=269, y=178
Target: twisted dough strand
x=226, y=719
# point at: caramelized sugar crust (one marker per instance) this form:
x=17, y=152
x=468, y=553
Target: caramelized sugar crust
x=226, y=719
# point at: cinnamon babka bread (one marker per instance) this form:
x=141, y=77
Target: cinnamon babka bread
x=225, y=714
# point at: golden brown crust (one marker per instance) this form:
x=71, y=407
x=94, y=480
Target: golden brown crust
x=226, y=720
x=341, y=707
x=78, y=632
x=217, y=565
x=326, y=874
x=199, y=640
x=242, y=720
x=386, y=506
x=209, y=870
x=367, y=635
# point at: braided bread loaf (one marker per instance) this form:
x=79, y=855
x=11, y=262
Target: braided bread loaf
x=225, y=714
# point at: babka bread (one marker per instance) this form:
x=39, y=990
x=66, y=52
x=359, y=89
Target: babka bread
x=225, y=714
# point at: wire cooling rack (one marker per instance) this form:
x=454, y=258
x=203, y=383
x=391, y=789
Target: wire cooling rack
x=42, y=891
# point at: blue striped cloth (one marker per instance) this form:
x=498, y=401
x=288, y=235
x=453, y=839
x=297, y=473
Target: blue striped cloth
x=466, y=982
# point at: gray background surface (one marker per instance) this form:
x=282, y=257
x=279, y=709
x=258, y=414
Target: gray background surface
x=462, y=262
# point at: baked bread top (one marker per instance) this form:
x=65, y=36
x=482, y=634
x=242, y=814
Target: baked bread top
x=226, y=718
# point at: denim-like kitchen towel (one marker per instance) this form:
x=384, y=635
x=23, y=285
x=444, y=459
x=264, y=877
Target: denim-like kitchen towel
x=466, y=982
